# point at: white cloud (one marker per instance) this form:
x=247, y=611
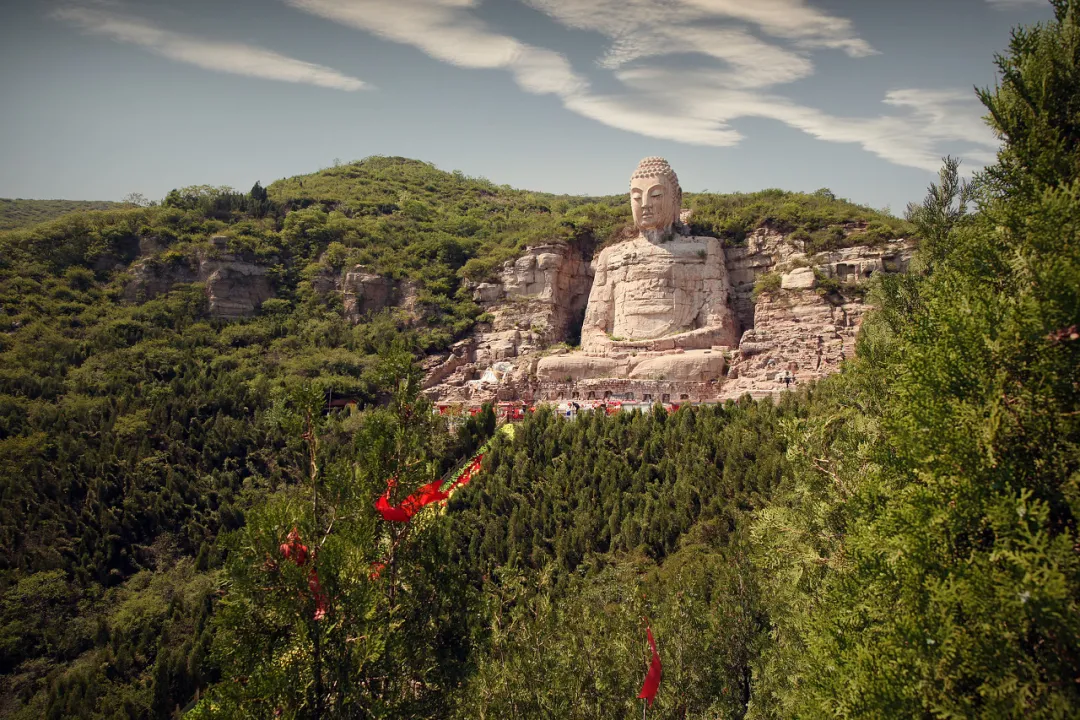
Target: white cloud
x=228, y=57
x=1005, y=4
x=441, y=29
x=645, y=28
x=692, y=105
x=696, y=107
x=792, y=19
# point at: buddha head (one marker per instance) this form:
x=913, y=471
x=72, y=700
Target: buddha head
x=655, y=195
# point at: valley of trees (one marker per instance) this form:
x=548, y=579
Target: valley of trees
x=185, y=529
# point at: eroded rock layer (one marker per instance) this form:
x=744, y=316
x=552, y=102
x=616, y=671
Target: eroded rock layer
x=235, y=286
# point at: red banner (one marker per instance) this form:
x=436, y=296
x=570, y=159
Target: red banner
x=652, y=679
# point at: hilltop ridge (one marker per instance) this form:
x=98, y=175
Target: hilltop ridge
x=17, y=212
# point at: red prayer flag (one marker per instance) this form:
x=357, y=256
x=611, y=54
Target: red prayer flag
x=652, y=679
x=431, y=493
x=317, y=593
x=293, y=549
x=411, y=505
x=389, y=513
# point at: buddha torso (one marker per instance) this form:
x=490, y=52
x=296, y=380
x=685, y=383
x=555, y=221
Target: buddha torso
x=646, y=290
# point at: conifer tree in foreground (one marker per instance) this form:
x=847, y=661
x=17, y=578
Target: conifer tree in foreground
x=329, y=612
x=924, y=562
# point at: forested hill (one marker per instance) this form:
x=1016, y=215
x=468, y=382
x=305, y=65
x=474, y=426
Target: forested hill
x=16, y=213
x=133, y=434
x=185, y=526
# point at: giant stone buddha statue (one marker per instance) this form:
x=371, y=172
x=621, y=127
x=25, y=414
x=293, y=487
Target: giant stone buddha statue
x=659, y=302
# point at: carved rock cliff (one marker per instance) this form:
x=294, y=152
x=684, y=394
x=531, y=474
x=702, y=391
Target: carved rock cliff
x=537, y=300
x=804, y=321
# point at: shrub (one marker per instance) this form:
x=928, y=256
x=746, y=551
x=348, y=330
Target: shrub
x=766, y=283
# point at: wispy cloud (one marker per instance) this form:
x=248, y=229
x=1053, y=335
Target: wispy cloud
x=1006, y=4
x=696, y=108
x=444, y=31
x=696, y=103
x=643, y=28
x=235, y=58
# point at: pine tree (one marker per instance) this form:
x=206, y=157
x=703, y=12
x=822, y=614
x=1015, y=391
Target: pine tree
x=923, y=562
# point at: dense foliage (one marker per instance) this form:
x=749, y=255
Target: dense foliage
x=815, y=222
x=580, y=528
x=923, y=558
x=131, y=435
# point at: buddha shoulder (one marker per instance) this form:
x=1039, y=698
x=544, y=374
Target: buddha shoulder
x=681, y=247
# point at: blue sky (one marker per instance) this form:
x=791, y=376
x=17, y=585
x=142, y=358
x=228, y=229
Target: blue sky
x=107, y=97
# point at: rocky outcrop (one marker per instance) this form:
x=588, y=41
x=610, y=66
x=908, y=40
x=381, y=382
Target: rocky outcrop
x=364, y=292
x=150, y=279
x=800, y=332
x=761, y=253
x=801, y=328
x=235, y=287
x=437, y=372
x=691, y=366
x=767, y=251
x=536, y=301
x=798, y=279
x=539, y=300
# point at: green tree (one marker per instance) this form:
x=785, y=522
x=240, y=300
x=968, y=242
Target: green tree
x=1034, y=108
x=358, y=616
x=945, y=206
x=922, y=562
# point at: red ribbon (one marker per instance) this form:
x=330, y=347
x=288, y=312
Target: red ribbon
x=652, y=679
x=293, y=550
x=411, y=505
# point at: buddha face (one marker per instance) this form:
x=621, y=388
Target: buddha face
x=652, y=200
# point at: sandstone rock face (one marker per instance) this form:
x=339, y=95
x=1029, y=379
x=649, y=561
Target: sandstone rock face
x=799, y=332
x=553, y=275
x=234, y=287
x=645, y=290
x=538, y=300
x=693, y=366
x=799, y=328
x=487, y=293
x=763, y=251
x=769, y=251
x=800, y=279
x=364, y=292
x=150, y=279
x=459, y=356
x=326, y=282
x=576, y=367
